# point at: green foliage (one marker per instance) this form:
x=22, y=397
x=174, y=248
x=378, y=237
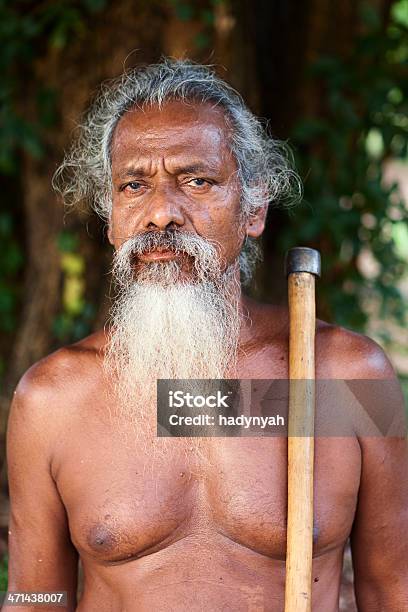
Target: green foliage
x=28, y=31
x=67, y=242
x=68, y=327
x=76, y=316
x=204, y=15
x=28, y=111
x=3, y=573
x=358, y=221
x=11, y=261
x=404, y=385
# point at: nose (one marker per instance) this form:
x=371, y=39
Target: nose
x=163, y=213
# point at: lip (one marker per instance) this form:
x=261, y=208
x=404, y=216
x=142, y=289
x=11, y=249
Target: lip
x=158, y=255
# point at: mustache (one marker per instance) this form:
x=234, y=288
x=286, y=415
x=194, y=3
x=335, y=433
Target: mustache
x=174, y=240
x=205, y=252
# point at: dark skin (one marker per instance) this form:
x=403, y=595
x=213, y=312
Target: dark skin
x=181, y=531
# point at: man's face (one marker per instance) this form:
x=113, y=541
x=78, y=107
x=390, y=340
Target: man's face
x=172, y=169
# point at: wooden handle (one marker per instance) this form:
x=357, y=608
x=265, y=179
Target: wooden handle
x=298, y=588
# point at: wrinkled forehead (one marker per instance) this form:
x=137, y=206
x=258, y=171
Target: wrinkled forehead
x=175, y=129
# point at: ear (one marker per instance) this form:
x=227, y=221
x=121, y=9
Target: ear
x=255, y=224
x=110, y=232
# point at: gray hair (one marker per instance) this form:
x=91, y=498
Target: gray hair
x=264, y=164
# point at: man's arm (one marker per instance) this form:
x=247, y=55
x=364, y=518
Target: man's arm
x=41, y=555
x=379, y=537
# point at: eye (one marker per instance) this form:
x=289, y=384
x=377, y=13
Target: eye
x=198, y=182
x=133, y=186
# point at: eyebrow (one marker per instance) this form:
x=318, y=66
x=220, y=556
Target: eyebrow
x=191, y=168
x=131, y=172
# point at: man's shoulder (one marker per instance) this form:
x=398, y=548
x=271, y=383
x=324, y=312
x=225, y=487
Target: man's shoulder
x=340, y=352
x=343, y=353
x=47, y=386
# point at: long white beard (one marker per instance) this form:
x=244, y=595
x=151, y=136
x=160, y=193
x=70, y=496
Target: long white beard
x=165, y=327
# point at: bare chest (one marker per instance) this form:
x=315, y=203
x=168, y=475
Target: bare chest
x=126, y=498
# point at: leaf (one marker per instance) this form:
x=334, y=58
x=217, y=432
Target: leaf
x=184, y=12
x=72, y=264
x=95, y=6
x=67, y=241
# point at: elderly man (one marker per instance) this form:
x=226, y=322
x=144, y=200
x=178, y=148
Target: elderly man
x=183, y=174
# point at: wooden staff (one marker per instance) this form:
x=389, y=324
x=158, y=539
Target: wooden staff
x=301, y=266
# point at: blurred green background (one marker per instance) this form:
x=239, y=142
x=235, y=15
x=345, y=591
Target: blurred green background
x=330, y=78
